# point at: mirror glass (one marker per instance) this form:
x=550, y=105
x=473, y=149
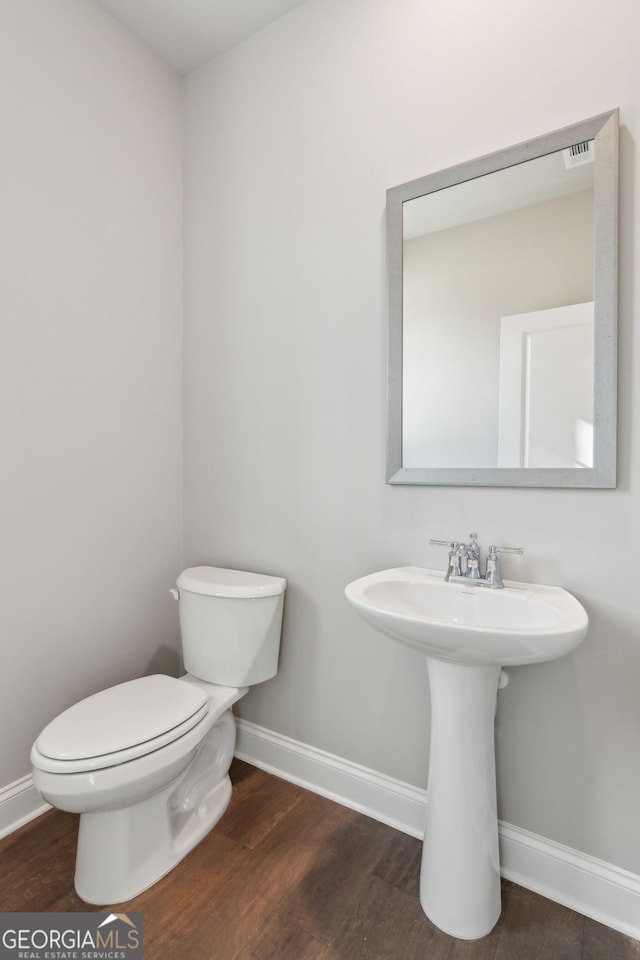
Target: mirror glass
x=502, y=316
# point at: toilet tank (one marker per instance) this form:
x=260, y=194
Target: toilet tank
x=230, y=622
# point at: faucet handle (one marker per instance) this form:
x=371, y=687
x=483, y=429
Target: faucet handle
x=493, y=550
x=492, y=576
x=456, y=551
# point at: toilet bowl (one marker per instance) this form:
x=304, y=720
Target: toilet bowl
x=146, y=763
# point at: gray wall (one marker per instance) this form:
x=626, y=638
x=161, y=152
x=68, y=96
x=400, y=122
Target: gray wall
x=293, y=138
x=90, y=362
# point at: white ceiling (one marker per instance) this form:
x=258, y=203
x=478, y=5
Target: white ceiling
x=186, y=34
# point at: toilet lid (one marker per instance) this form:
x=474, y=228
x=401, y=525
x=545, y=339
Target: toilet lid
x=122, y=717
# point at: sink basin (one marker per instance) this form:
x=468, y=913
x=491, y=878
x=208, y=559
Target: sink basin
x=468, y=634
x=522, y=623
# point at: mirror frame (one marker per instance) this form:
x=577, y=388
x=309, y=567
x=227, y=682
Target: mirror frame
x=604, y=130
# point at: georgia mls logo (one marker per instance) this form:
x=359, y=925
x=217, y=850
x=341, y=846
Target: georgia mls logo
x=70, y=936
x=133, y=937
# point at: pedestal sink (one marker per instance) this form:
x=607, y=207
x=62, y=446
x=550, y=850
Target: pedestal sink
x=467, y=634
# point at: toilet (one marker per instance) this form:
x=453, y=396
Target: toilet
x=146, y=763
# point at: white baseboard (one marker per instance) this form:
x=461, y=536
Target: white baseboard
x=597, y=889
x=397, y=804
x=592, y=887
x=19, y=803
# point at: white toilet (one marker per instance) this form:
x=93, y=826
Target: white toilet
x=146, y=763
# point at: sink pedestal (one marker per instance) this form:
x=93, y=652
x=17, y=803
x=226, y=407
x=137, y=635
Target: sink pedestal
x=460, y=873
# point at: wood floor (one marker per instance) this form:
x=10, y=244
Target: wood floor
x=289, y=875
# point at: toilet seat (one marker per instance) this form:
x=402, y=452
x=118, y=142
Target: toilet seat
x=119, y=724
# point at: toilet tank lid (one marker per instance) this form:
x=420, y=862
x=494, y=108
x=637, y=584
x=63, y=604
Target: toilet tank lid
x=218, y=582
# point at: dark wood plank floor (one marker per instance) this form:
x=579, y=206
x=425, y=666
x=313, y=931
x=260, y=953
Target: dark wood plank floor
x=288, y=875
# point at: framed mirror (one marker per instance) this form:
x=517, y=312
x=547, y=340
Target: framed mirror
x=502, y=350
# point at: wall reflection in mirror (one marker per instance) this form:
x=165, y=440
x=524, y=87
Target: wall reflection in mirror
x=502, y=316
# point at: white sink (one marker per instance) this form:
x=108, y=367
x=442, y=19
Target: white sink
x=467, y=633
x=521, y=623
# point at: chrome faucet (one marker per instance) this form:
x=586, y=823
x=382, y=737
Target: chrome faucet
x=471, y=554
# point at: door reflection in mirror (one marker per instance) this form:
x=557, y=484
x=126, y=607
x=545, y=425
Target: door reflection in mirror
x=545, y=399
